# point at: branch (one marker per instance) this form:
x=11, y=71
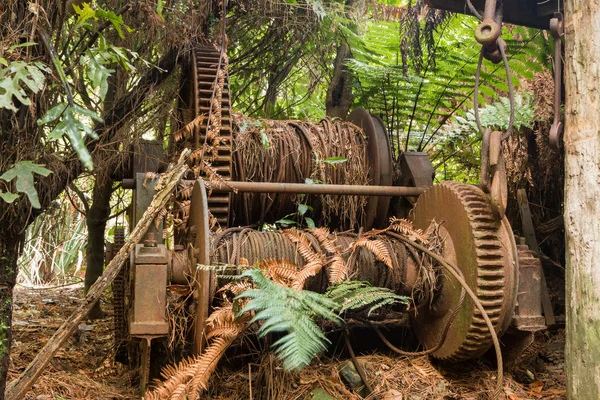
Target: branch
x=81, y=197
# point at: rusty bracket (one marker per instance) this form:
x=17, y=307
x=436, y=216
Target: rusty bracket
x=149, y=291
x=493, y=172
x=557, y=129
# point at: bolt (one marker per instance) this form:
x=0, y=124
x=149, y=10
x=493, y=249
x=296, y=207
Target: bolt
x=150, y=241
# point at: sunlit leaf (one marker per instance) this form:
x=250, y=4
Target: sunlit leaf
x=335, y=160
x=24, y=172
x=13, y=78
x=9, y=197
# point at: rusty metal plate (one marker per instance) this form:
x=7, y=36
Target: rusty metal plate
x=528, y=310
x=147, y=317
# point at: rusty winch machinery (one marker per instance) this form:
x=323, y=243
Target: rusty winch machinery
x=247, y=174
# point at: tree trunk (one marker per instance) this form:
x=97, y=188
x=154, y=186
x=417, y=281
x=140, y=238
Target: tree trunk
x=96, y=223
x=339, y=93
x=582, y=191
x=9, y=247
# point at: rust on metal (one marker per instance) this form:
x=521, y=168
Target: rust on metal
x=528, y=310
x=488, y=31
x=199, y=253
x=482, y=248
x=120, y=289
x=319, y=189
x=380, y=164
x=530, y=239
x=557, y=129
x=532, y=13
x=147, y=316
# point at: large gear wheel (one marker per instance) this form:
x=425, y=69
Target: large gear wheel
x=484, y=250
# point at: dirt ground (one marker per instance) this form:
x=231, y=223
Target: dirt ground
x=83, y=369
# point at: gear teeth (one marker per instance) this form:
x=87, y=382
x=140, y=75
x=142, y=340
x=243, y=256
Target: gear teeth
x=489, y=253
x=119, y=288
x=206, y=71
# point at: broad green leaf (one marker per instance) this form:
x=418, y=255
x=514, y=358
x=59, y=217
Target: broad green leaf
x=310, y=223
x=17, y=74
x=302, y=209
x=53, y=114
x=84, y=13
x=264, y=139
x=71, y=125
x=16, y=46
x=115, y=20
x=335, y=160
x=285, y=221
x=24, y=171
x=9, y=197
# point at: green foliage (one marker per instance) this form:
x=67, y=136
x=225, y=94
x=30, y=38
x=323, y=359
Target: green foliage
x=496, y=116
x=301, y=218
x=86, y=14
x=292, y=311
x=55, y=245
x=15, y=76
x=96, y=62
x=460, y=141
x=24, y=172
x=71, y=124
x=358, y=295
x=296, y=312
x=415, y=103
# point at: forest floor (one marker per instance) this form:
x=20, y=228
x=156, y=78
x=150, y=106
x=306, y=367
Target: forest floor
x=83, y=369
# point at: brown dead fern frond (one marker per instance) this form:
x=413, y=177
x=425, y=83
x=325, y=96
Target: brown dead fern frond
x=174, y=376
x=191, y=375
x=281, y=271
x=310, y=269
x=337, y=269
x=378, y=248
x=207, y=363
x=406, y=228
x=303, y=245
x=322, y=234
x=179, y=392
x=184, y=191
x=236, y=287
x=188, y=130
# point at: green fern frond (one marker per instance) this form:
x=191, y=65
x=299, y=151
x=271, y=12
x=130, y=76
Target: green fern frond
x=358, y=295
x=294, y=312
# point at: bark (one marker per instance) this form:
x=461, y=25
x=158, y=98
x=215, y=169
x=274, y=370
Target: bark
x=8, y=267
x=582, y=191
x=165, y=187
x=339, y=93
x=96, y=218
